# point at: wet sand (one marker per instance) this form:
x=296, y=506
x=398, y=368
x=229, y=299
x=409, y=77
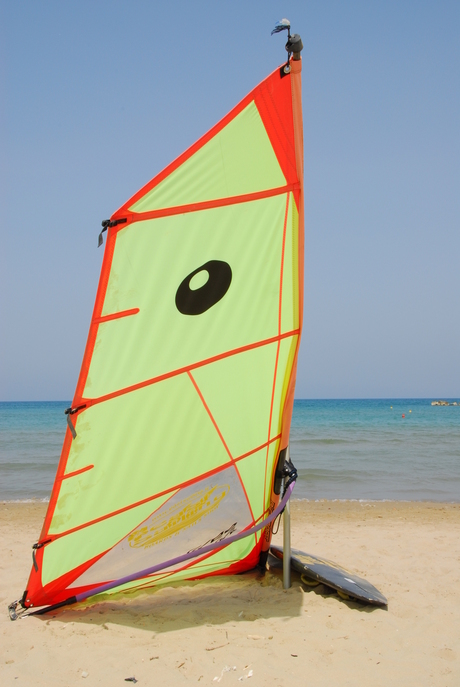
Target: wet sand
x=226, y=630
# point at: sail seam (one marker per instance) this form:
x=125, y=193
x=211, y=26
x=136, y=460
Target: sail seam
x=188, y=368
x=216, y=426
x=222, y=439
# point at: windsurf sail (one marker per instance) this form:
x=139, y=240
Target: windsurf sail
x=182, y=408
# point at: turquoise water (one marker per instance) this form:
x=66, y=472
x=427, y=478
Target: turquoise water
x=343, y=449
x=31, y=436
x=365, y=449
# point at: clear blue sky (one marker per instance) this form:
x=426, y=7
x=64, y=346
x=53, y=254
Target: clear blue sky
x=99, y=96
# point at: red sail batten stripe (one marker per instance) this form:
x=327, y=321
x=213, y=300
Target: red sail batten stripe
x=116, y=315
x=76, y=472
x=140, y=385
x=203, y=205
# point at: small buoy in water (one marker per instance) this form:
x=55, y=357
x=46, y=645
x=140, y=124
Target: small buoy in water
x=410, y=411
x=404, y=415
x=391, y=407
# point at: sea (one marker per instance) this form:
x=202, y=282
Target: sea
x=370, y=450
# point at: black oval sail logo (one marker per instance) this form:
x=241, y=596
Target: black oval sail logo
x=195, y=301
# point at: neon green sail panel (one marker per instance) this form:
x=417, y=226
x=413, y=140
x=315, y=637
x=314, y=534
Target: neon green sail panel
x=181, y=408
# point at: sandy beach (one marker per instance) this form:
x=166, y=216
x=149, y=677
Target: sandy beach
x=227, y=630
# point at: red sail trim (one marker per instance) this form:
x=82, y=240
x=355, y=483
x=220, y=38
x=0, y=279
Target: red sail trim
x=296, y=87
x=140, y=385
x=296, y=68
x=283, y=250
x=273, y=101
x=97, y=312
x=56, y=486
x=57, y=590
x=76, y=472
x=258, y=448
x=116, y=315
x=204, y=205
x=182, y=485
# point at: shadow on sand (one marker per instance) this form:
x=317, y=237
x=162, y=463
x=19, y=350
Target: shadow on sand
x=211, y=601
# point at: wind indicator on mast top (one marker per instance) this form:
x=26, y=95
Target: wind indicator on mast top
x=294, y=43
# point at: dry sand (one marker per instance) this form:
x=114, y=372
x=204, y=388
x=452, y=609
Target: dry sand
x=227, y=630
